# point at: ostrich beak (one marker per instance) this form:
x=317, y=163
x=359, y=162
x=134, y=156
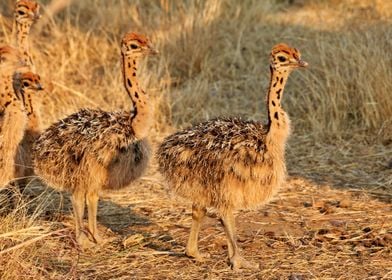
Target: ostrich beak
x=302, y=63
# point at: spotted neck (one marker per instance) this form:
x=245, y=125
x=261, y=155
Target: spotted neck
x=278, y=121
x=141, y=113
x=34, y=120
x=20, y=39
x=9, y=97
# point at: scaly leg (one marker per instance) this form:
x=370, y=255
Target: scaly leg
x=236, y=260
x=92, y=205
x=230, y=248
x=192, y=249
x=78, y=203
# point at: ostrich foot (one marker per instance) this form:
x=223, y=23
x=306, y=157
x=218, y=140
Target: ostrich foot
x=195, y=254
x=84, y=242
x=238, y=262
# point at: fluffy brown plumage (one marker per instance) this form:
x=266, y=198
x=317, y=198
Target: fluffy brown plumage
x=66, y=151
x=231, y=164
x=94, y=150
x=206, y=157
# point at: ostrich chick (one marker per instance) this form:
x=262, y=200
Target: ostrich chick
x=94, y=150
x=26, y=14
x=229, y=163
x=14, y=88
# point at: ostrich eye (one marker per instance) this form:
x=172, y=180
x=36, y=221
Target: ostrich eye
x=281, y=58
x=134, y=46
x=22, y=13
x=26, y=84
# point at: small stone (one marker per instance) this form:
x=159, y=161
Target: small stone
x=380, y=242
x=166, y=238
x=294, y=276
x=367, y=229
x=269, y=234
x=241, y=239
x=327, y=210
x=323, y=231
x=307, y=204
x=220, y=243
x=133, y=240
x=345, y=203
x=388, y=238
x=367, y=243
x=360, y=250
x=319, y=204
x=337, y=223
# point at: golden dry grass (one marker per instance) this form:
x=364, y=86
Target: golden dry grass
x=214, y=62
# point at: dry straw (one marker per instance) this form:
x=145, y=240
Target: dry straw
x=214, y=62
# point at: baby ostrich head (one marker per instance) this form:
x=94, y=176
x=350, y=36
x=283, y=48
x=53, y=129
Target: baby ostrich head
x=26, y=81
x=285, y=58
x=26, y=11
x=136, y=45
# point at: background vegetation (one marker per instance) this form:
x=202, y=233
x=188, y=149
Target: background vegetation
x=213, y=62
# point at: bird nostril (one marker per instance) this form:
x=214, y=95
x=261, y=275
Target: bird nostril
x=39, y=86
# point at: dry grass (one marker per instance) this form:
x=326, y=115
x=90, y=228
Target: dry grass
x=308, y=232
x=214, y=57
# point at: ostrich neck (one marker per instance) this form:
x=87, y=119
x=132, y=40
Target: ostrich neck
x=29, y=102
x=10, y=95
x=278, y=121
x=141, y=113
x=20, y=40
